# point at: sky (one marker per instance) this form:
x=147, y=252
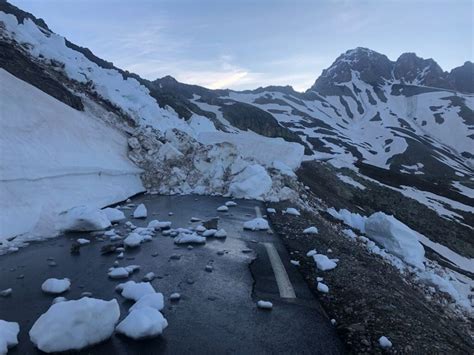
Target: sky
x=242, y=44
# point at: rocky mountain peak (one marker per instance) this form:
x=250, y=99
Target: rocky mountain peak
x=371, y=66
x=462, y=78
x=411, y=69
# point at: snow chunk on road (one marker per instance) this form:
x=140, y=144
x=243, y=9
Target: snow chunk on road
x=311, y=252
x=257, y=224
x=311, y=230
x=222, y=208
x=73, y=325
x=8, y=335
x=323, y=287
x=396, y=237
x=56, y=286
x=83, y=219
x=135, y=290
x=83, y=241
x=185, y=238
x=252, y=182
x=292, y=211
x=142, y=323
x=221, y=233
x=157, y=225
x=264, y=305
x=200, y=229
x=118, y=273
x=231, y=204
x=153, y=300
x=133, y=240
x=140, y=211
x=209, y=233
x=384, y=342
x=271, y=210
x=323, y=263
x=114, y=215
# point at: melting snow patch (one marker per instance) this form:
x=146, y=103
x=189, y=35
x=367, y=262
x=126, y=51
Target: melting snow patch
x=311, y=230
x=256, y=224
x=140, y=211
x=231, y=204
x=350, y=181
x=6, y=293
x=200, y=228
x=114, y=215
x=73, y=325
x=175, y=296
x=222, y=208
x=83, y=241
x=56, y=286
x=271, y=210
x=8, y=335
x=142, y=323
x=295, y=262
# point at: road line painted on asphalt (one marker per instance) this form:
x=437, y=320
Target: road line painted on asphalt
x=258, y=212
x=283, y=281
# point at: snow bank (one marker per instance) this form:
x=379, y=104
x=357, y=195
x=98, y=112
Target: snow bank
x=55, y=158
x=396, y=237
x=73, y=325
x=8, y=335
x=252, y=182
x=145, y=322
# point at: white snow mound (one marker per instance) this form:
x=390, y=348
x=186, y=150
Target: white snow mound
x=73, y=325
x=135, y=290
x=153, y=300
x=311, y=230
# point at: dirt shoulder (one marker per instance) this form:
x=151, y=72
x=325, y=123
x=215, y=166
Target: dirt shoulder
x=368, y=297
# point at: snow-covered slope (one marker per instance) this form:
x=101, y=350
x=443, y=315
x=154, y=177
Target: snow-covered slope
x=85, y=121
x=54, y=158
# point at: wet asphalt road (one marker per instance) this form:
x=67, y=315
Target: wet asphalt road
x=217, y=313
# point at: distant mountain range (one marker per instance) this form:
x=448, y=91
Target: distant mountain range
x=407, y=116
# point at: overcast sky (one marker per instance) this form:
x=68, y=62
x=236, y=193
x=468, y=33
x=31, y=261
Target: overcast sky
x=242, y=44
